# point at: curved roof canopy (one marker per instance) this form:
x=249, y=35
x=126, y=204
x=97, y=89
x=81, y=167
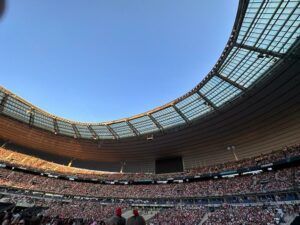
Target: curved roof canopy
x=263, y=33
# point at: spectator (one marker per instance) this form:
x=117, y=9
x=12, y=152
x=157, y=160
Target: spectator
x=7, y=219
x=118, y=219
x=136, y=219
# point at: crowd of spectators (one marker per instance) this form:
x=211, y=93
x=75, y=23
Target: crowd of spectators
x=30, y=162
x=61, y=214
x=264, y=215
x=178, y=216
x=75, y=212
x=280, y=180
x=285, y=153
x=37, y=164
x=92, y=211
x=66, y=211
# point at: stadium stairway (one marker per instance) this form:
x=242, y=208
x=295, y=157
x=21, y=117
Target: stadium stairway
x=205, y=217
x=289, y=219
x=5, y=206
x=296, y=221
x=147, y=216
x=127, y=214
x=150, y=214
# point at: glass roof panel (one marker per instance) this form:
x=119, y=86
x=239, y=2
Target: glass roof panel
x=211, y=84
x=1, y=95
x=102, y=131
x=224, y=93
x=286, y=36
x=219, y=91
x=42, y=121
x=84, y=131
x=144, y=125
x=271, y=25
x=168, y=117
x=244, y=66
x=65, y=128
x=122, y=129
x=193, y=106
x=17, y=109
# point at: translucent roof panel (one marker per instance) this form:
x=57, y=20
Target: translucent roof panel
x=168, y=117
x=144, y=125
x=65, y=128
x=84, y=131
x=42, y=121
x=122, y=129
x=244, y=66
x=211, y=84
x=102, y=131
x=287, y=36
x=193, y=106
x=260, y=40
x=17, y=109
x=219, y=91
x=271, y=25
x=1, y=95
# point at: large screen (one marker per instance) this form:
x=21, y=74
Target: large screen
x=168, y=165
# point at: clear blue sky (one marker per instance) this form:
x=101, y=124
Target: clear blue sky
x=94, y=60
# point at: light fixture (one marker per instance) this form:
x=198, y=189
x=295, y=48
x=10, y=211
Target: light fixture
x=260, y=56
x=150, y=137
x=232, y=148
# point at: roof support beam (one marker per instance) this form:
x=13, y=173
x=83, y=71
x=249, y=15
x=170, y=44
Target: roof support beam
x=209, y=103
x=77, y=134
x=31, y=117
x=116, y=136
x=181, y=114
x=135, y=131
x=3, y=102
x=95, y=135
x=260, y=50
x=231, y=82
x=55, y=126
x=156, y=123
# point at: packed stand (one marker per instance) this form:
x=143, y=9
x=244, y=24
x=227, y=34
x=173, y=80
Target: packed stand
x=286, y=153
x=281, y=180
x=178, y=216
x=55, y=212
x=254, y=215
x=31, y=162
x=92, y=211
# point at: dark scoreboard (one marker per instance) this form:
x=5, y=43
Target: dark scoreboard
x=169, y=165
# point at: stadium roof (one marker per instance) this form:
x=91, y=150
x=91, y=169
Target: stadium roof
x=262, y=35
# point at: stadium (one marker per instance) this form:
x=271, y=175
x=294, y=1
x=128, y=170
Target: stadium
x=226, y=152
